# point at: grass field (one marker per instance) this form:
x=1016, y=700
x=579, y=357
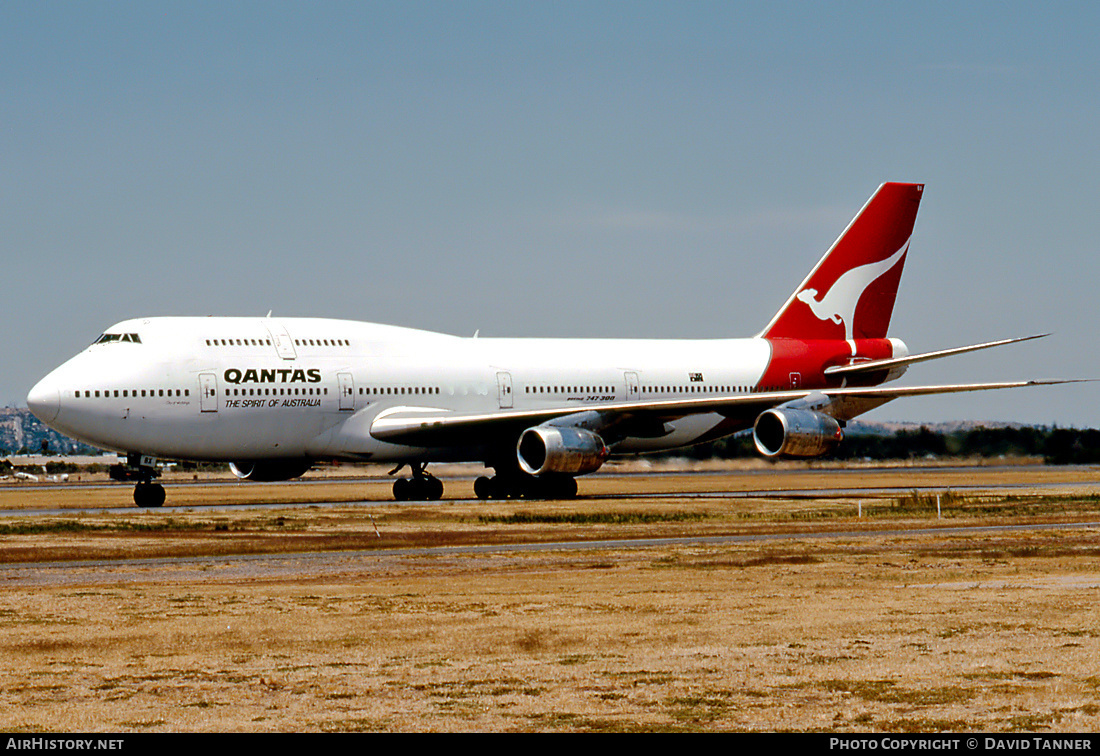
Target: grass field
x=912, y=629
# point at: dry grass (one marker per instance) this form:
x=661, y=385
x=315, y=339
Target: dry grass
x=987, y=631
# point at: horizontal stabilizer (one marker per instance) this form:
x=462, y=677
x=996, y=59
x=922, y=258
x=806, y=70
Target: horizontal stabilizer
x=869, y=366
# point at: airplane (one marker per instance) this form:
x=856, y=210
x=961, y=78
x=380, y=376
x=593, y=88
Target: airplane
x=272, y=396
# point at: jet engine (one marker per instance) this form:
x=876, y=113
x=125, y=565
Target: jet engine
x=268, y=470
x=795, y=433
x=550, y=449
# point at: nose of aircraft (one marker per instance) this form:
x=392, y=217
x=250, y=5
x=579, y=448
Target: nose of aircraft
x=44, y=400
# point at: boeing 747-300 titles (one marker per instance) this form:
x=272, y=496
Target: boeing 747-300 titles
x=274, y=395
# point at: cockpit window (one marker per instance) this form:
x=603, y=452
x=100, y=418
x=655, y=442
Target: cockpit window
x=131, y=337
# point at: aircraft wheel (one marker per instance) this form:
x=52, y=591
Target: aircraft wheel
x=433, y=489
x=483, y=488
x=424, y=488
x=498, y=488
x=564, y=487
x=149, y=494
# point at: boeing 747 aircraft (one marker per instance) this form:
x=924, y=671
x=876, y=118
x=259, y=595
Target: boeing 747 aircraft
x=273, y=395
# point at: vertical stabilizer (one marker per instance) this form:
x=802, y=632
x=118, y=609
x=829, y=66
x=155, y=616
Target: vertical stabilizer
x=850, y=292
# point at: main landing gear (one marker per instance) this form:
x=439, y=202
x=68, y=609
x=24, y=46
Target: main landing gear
x=511, y=485
x=142, y=470
x=522, y=486
x=420, y=487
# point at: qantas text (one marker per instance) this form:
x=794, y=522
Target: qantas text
x=265, y=375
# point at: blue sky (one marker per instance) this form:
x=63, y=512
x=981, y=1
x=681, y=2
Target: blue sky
x=553, y=169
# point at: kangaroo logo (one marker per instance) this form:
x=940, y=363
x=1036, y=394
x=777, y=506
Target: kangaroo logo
x=840, y=301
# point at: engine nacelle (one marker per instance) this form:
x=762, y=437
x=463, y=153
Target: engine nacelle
x=269, y=470
x=795, y=433
x=548, y=449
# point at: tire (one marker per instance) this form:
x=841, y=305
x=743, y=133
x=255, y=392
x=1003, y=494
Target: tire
x=148, y=495
x=483, y=488
x=564, y=487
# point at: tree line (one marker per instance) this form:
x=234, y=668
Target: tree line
x=1055, y=446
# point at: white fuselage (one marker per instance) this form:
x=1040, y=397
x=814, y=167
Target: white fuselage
x=257, y=388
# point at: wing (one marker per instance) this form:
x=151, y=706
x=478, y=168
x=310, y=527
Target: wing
x=431, y=427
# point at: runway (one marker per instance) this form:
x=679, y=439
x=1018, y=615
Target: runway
x=835, y=483
x=313, y=565
x=844, y=493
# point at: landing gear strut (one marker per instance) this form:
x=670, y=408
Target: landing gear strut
x=142, y=470
x=420, y=487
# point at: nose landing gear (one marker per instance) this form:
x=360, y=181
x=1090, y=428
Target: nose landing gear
x=143, y=470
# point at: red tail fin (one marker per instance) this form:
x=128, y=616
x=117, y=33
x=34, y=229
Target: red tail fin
x=850, y=292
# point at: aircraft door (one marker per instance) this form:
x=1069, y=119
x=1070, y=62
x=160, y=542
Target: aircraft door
x=633, y=390
x=284, y=345
x=504, y=390
x=208, y=392
x=347, y=391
